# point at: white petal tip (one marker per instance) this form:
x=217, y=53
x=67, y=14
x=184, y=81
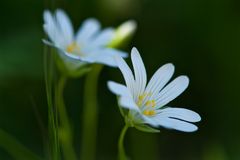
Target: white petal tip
x=170, y=67
x=135, y=53
x=92, y=21
x=197, y=118
x=127, y=28
x=184, y=80
x=193, y=129
x=59, y=11
x=46, y=12
x=190, y=128
x=130, y=24
x=110, y=85
x=134, y=49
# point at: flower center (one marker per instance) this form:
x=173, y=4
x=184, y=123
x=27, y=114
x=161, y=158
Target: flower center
x=149, y=112
x=72, y=47
x=147, y=106
x=141, y=101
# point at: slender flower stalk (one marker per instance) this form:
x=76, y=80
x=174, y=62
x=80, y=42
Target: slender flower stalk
x=65, y=129
x=90, y=114
x=144, y=104
x=121, y=152
x=52, y=110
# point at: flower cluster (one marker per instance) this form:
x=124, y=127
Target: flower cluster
x=142, y=104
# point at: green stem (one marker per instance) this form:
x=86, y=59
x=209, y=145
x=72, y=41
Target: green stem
x=121, y=151
x=90, y=114
x=15, y=148
x=65, y=134
x=52, y=117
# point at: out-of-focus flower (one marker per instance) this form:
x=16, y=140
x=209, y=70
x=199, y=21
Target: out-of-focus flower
x=88, y=45
x=146, y=102
x=123, y=33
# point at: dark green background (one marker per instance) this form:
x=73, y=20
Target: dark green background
x=202, y=39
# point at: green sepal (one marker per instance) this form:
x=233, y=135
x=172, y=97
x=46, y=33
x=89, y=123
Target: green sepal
x=146, y=128
x=70, y=70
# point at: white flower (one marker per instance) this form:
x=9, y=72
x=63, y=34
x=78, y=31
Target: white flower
x=123, y=32
x=89, y=45
x=146, y=102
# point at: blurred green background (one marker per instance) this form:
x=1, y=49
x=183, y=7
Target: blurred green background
x=202, y=39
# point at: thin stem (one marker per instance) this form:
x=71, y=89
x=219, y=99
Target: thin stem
x=65, y=132
x=90, y=114
x=121, y=151
x=52, y=116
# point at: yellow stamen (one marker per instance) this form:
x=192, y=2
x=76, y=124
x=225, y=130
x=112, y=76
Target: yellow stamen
x=149, y=112
x=151, y=103
x=140, y=99
x=72, y=47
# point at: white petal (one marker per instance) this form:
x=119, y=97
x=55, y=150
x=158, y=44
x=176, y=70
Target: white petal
x=103, y=38
x=139, y=72
x=128, y=103
x=72, y=62
x=118, y=89
x=48, y=24
x=62, y=52
x=70, y=55
x=175, y=124
x=50, y=27
x=65, y=26
x=159, y=80
x=126, y=72
x=181, y=113
x=104, y=56
x=47, y=17
x=89, y=28
x=172, y=90
x=150, y=121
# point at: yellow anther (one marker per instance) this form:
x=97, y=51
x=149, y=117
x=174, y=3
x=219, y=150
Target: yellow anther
x=152, y=112
x=72, y=47
x=139, y=103
x=140, y=99
x=149, y=112
x=146, y=112
x=151, y=103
